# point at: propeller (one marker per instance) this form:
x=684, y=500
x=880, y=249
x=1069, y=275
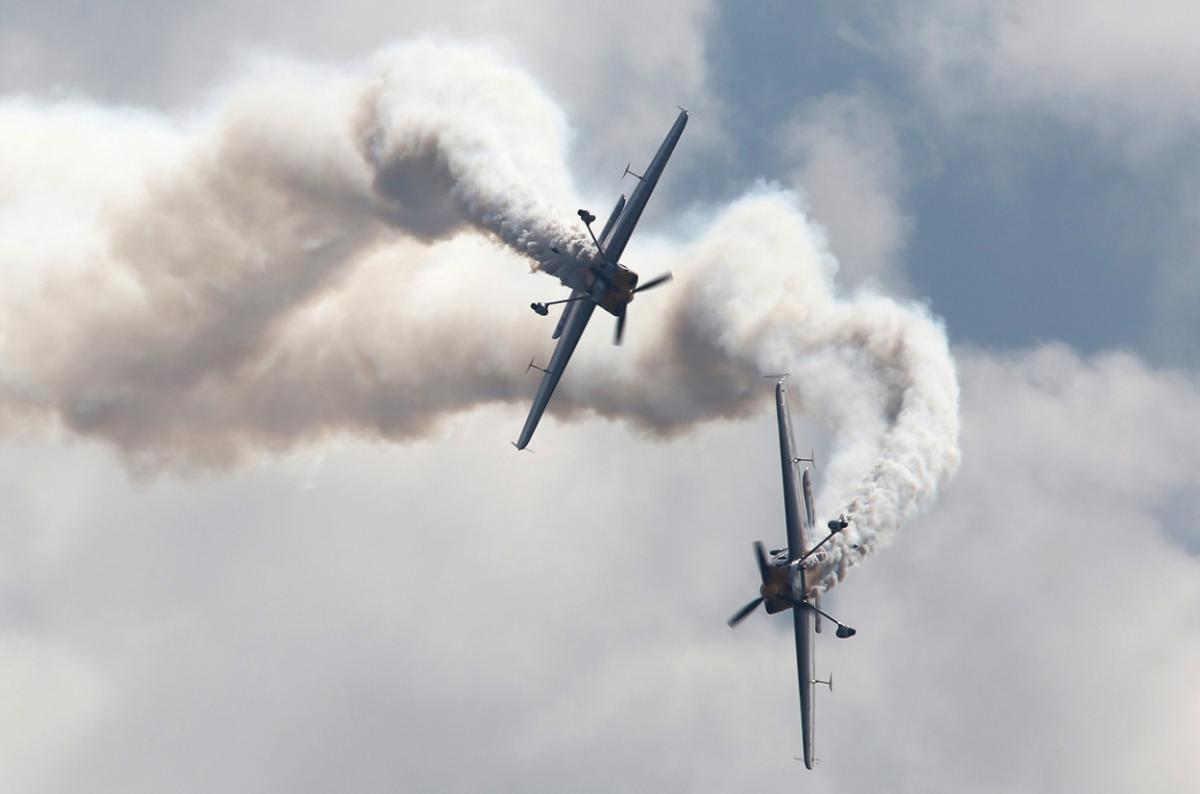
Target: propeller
x=744, y=612
x=764, y=571
x=657, y=281
x=654, y=282
x=764, y=567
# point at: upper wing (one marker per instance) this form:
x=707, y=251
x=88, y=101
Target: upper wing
x=574, y=320
x=797, y=534
x=619, y=232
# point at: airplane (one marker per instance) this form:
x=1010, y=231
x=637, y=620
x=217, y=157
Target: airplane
x=606, y=283
x=784, y=571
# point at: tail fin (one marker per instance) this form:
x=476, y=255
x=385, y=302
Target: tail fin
x=809, y=513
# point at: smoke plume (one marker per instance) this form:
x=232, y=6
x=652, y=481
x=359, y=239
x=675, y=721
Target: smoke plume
x=335, y=250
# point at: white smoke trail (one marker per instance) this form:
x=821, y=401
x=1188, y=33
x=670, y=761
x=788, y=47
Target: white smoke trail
x=153, y=329
x=756, y=294
x=333, y=251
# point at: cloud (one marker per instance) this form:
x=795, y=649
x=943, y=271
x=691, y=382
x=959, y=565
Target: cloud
x=1118, y=70
x=849, y=165
x=187, y=276
x=629, y=61
x=1110, y=82
x=290, y=276
x=359, y=622
x=1055, y=557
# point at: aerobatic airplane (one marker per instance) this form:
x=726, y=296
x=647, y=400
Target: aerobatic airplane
x=784, y=571
x=606, y=283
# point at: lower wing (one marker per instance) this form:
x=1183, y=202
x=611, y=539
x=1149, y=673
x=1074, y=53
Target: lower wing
x=571, y=326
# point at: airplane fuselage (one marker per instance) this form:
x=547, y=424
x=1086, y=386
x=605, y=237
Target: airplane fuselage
x=781, y=591
x=795, y=514
x=611, y=287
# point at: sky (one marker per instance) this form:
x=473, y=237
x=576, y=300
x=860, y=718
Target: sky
x=239, y=552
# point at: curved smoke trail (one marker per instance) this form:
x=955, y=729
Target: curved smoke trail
x=334, y=251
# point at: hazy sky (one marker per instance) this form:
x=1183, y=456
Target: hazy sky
x=441, y=614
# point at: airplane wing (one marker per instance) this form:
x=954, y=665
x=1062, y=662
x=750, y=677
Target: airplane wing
x=797, y=533
x=562, y=321
x=574, y=320
x=802, y=620
x=617, y=233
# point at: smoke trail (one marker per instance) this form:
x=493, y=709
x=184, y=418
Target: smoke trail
x=166, y=327
x=755, y=293
x=335, y=251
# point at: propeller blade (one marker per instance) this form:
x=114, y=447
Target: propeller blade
x=654, y=282
x=620, y=332
x=744, y=612
x=764, y=568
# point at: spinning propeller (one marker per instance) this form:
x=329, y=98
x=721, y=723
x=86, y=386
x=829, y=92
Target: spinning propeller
x=764, y=570
x=651, y=284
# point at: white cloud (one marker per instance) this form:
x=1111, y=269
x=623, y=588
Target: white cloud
x=849, y=164
x=450, y=616
x=454, y=616
x=1121, y=70
x=1105, y=78
x=619, y=68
